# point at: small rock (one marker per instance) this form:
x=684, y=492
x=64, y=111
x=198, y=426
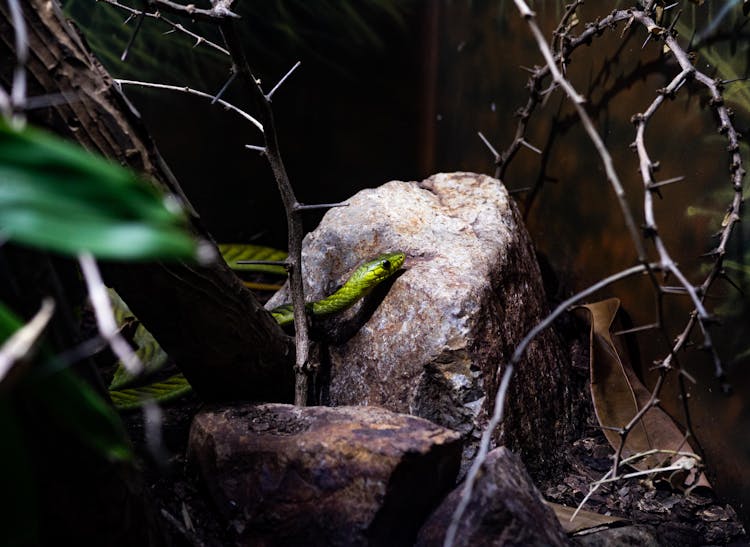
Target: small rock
x=505, y=509
x=285, y=475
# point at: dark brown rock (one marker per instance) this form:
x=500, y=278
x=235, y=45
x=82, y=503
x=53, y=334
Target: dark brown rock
x=505, y=509
x=625, y=536
x=285, y=475
x=435, y=341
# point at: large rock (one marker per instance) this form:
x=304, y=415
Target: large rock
x=284, y=475
x=505, y=509
x=437, y=342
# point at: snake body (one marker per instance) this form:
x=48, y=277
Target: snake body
x=359, y=284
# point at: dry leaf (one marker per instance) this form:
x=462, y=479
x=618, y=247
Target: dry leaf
x=618, y=394
x=584, y=519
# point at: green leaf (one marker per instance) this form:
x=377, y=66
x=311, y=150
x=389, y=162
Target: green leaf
x=57, y=196
x=19, y=521
x=75, y=406
x=233, y=253
x=70, y=402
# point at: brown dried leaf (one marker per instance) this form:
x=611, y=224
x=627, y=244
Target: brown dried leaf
x=618, y=394
x=584, y=519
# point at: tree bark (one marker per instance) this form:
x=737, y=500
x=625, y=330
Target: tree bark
x=223, y=340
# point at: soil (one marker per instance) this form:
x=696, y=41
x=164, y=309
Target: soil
x=672, y=517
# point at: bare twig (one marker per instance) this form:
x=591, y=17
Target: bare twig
x=105, y=318
x=218, y=11
x=484, y=447
x=13, y=104
x=191, y=91
x=22, y=342
x=608, y=477
x=484, y=442
x=665, y=263
x=295, y=229
x=189, y=535
x=175, y=27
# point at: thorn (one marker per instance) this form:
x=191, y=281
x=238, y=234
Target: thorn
x=488, y=145
x=283, y=79
x=659, y=184
x=672, y=290
x=712, y=253
x=712, y=320
x=687, y=375
x=303, y=207
x=723, y=275
x=261, y=149
x=531, y=147
x=726, y=387
x=139, y=22
x=636, y=329
x=519, y=190
x=232, y=76
x=725, y=82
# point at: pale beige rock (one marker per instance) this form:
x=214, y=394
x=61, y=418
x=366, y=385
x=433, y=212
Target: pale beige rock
x=285, y=475
x=432, y=342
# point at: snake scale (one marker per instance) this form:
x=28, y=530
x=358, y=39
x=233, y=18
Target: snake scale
x=359, y=284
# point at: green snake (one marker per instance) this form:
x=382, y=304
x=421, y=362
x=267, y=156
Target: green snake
x=359, y=284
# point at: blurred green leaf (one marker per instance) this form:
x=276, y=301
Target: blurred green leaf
x=75, y=406
x=57, y=196
x=19, y=521
x=234, y=253
x=68, y=402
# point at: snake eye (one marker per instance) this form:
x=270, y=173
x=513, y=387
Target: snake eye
x=386, y=264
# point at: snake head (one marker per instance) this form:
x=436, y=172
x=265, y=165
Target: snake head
x=386, y=265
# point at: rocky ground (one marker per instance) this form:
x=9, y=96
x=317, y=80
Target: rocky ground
x=651, y=513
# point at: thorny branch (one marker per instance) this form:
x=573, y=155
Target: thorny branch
x=176, y=27
x=191, y=91
x=291, y=206
x=499, y=402
x=221, y=15
x=700, y=316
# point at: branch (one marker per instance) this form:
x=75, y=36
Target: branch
x=176, y=27
x=191, y=91
x=219, y=11
x=105, y=319
x=291, y=206
x=497, y=414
